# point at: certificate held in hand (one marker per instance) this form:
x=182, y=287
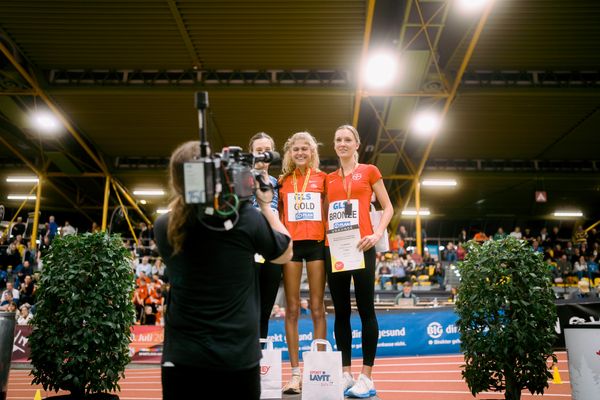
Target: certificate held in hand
x=345, y=256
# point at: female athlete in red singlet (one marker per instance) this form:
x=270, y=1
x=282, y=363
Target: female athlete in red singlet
x=301, y=196
x=349, y=191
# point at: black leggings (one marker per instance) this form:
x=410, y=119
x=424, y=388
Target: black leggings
x=364, y=291
x=179, y=382
x=269, y=280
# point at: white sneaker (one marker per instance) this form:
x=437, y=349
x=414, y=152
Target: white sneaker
x=347, y=381
x=363, y=388
x=294, y=386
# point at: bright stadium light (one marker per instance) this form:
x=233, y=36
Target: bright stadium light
x=426, y=123
x=143, y=202
x=573, y=213
x=20, y=197
x=149, y=192
x=162, y=210
x=22, y=179
x=46, y=121
x=413, y=212
x=471, y=6
x=439, y=182
x=381, y=69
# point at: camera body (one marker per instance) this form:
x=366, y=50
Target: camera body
x=228, y=172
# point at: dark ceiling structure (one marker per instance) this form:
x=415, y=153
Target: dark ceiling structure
x=518, y=84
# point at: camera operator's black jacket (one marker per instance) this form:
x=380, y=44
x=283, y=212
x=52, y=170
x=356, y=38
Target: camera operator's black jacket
x=212, y=317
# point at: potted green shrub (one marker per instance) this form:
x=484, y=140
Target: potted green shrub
x=84, y=313
x=506, y=319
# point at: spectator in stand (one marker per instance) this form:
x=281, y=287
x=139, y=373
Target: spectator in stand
x=152, y=249
x=584, y=249
x=439, y=273
x=575, y=256
x=67, y=229
x=580, y=268
x=10, y=289
x=500, y=234
x=406, y=293
x=565, y=267
x=536, y=247
x=43, y=249
x=145, y=234
x=544, y=238
x=278, y=311
x=144, y=267
x=12, y=256
x=583, y=291
x=7, y=299
x=558, y=251
x=139, y=296
x=18, y=228
x=12, y=307
x=27, y=291
x=25, y=316
x=527, y=235
x=517, y=233
x=95, y=228
x=569, y=249
x=159, y=268
x=460, y=252
x=384, y=272
x=52, y=228
x=304, y=307
x=554, y=235
x=480, y=236
x=450, y=253
x=148, y=317
x=463, y=237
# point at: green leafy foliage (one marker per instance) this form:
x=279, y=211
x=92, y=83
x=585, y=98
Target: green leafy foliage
x=506, y=318
x=84, y=313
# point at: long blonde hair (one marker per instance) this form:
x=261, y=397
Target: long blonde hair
x=288, y=166
x=181, y=213
x=356, y=136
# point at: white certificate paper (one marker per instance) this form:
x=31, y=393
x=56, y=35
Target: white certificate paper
x=345, y=256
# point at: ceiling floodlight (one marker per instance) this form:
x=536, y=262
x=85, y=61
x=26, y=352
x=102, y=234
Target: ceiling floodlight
x=439, y=182
x=149, y=192
x=471, y=6
x=413, y=212
x=143, y=202
x=426, y=123
x=22, y=179
x=381, y=69
x=573, y=213
x=20, y=197
x=162, y=210
x=46, y=121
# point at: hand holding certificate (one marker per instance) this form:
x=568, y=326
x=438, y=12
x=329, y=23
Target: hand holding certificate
x=345, y=256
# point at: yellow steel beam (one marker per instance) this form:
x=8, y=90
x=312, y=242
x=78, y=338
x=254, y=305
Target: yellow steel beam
x=428, y=39
x=81, y=175
x=36, y=214
x=463, y=66
x=132, y=202
x=105, y=204
x=184, y=33
x=6, y=231
x=423, y=27
x=363, y=59
x=589, y=228
x=41, y=175
x=124, y=212
x=33, y=83
x=417, y=186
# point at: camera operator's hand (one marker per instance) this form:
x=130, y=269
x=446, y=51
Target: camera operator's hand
x=263, y=188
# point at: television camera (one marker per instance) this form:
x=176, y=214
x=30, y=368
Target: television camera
x=217, y=183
